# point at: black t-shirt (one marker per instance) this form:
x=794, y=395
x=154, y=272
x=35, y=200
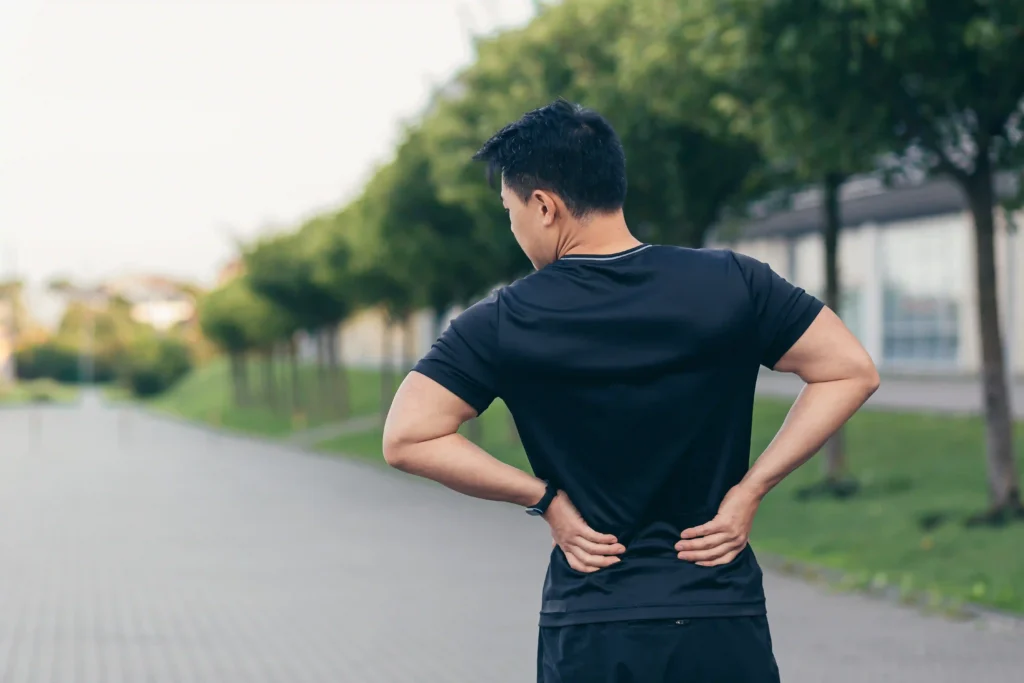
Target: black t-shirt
x=631, y=380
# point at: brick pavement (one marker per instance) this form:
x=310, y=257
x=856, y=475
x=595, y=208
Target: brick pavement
x=135, y=549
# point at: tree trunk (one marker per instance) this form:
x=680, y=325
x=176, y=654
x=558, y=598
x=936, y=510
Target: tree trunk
x=243, y=380
x=339, y=382
x=322, y=400
x=296, y=380
x=409, y=343
x=1003, y=479
x=386, y=370
x=238, y=378
x=835, y=468
x=269, y=383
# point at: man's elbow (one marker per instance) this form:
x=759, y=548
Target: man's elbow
x=868, y=376
x=395, y=449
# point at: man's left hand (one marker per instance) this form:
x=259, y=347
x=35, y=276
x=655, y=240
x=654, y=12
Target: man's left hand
x=722, y=539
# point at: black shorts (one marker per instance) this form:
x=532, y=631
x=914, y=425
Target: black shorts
x=703, y=650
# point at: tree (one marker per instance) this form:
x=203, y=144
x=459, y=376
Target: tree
x=688, y=163
x=379, y=279
x=329, y=260
x=154, y=363
x=239, y=321
x=281, y=268
x=810, y=116
x=614, y=56
x=221, y=314
x=949, y=71
x=101, y=330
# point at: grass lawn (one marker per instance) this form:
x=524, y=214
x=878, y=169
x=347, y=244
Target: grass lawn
x=921, y=477
x=37, y=391
x=205, y=395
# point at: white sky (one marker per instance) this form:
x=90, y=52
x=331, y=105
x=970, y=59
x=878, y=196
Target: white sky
x=142, y=136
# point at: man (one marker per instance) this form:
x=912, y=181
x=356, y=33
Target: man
x=630, y=370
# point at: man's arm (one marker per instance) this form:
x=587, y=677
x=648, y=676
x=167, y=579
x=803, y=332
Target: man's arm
x=840, y=377
x=421, y=437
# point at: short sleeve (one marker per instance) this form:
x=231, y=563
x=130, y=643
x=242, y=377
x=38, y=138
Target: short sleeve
x=464, y=359
x=782, y=311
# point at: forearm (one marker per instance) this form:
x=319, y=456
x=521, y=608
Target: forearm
x=819, y=411
x=461, y=465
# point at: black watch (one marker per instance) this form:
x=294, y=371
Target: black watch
x=542, y=506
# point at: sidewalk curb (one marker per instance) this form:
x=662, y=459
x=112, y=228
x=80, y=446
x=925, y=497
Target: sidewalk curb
x=850, y=582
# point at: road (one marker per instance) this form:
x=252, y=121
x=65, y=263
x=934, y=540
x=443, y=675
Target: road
x=136, y=549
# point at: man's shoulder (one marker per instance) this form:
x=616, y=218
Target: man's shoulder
x=702, y=262
x=706, y=255
x=705, y=264
x=481, y=312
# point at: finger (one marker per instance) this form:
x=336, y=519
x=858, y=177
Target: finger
x=714, y=526
x=576, y=564
x=709, y=555
x=592, y=561
x=599, y=548
x=705, y=542
x=595, y=561
x=724, y=559
x=586, y=532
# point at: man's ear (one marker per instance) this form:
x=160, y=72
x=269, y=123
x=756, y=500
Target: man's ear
x=548, y=205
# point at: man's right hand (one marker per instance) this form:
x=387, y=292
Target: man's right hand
x=585, y=549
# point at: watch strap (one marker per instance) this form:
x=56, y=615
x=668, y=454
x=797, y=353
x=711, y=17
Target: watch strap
x=542, y=505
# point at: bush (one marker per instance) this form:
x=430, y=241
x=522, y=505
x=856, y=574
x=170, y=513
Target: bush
x=61, y=362
x=154, y=364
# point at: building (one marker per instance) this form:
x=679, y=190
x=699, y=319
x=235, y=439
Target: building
x=907, y=273
x=362, y=338
x=154, y=300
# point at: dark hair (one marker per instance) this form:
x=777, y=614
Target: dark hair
x=562, y=148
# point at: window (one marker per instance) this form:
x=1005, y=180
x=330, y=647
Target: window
x=923, y=275
x=920, y=329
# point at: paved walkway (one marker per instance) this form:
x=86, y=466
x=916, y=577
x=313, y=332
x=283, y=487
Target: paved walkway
x=134, y=550
x=948, y=396
x=309, y=438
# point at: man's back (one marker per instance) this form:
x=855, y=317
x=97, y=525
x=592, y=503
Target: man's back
x=630, y=371
x=631, y=379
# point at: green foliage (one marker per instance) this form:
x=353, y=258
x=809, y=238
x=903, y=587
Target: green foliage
x=238, y=319
x=425, y=252
x=121, y=349
x=282, y=269
x=61, y=361
x=155, y=363
x=624, y=59
x=102, y=332
x=797, y=85
x=942, y=77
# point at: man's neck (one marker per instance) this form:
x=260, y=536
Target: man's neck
x=600, y=235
